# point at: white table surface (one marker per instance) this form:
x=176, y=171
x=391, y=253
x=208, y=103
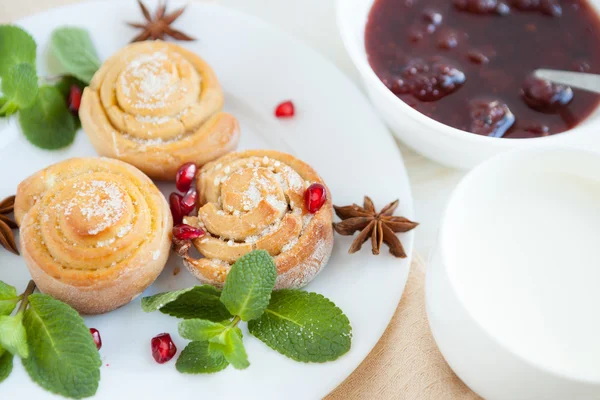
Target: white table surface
x=314, y=22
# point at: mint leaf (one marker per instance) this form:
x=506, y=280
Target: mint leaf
x=63, y=357
x=6, y=365
x=201, y=302
x=230, y=345
x=8, y=298
x=16, y=46
x=12, y=335
x=75, y=51
x=64, y=86
x=200, y=329
x=249, y=284
x=303, y=326
x=19, y=86
x=158, y=301
x=196, y=359
x=48, y=124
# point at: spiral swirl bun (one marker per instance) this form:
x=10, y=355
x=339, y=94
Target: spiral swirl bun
x=157, y=106
x=95, y=232
x=255, y=200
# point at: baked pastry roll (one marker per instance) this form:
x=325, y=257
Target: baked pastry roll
x=255, y=200
x=95, y=232
x=157, y=106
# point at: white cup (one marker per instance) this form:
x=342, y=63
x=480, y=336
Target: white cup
x=513, y=287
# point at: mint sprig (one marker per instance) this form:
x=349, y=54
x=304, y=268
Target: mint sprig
x=64, y=359
x=6, y=364
x=196, y=359
x=196, y=302
x=16, y=47
x=20, y=88
x=249, y=284
x=8, y=298
x=75, y=52
x=48, y=124
x=43, y=113
x=12, y=335
x=51, y=339
x=303, y=326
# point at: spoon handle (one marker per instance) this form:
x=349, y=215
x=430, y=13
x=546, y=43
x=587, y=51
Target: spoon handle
x=579, y=80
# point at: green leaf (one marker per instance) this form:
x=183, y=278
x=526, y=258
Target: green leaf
x=63, y=357
x=197, y=359
x=48, y=123
x=200, y=329
x=158, y=301
x=64, y=86
x=16, y=47
x=8, y=298
x=303, y=326
x=201, y=302
x=230, y=345
x=20, y=86
x=75, y=51
x=12, y=335
x=249, y=284
x=6, y=365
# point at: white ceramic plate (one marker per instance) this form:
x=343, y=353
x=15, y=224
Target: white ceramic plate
x=335, y=130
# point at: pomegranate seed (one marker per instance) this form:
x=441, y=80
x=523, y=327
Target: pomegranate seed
x=315, y=196
x=97, y=338
x=163, y=348
x=74, y=100
x=175, y=204
x=185, y=176
x=285, y=110
x=188, y=201
x=186, y=232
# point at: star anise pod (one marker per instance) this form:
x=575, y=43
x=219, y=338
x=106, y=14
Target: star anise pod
x=159, y=25
x=380, y=227
x=7, y=238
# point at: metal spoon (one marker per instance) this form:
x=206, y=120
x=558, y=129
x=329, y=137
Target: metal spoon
x=579, y=80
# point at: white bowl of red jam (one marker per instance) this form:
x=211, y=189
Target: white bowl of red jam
x=453, y=79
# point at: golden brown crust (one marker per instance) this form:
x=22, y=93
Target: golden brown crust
x=157, y=106
x=255, y=200
x=95, y=232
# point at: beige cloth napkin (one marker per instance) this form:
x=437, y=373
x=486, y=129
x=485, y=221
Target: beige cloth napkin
x=406, y=363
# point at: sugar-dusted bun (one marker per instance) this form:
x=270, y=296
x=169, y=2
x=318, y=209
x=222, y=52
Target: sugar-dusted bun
x=157, y=106
x=95, y=232
x=255, y=200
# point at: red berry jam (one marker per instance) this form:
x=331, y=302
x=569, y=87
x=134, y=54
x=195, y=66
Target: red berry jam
x=185, y=176
x=175, y=205
x=96, y=337
x=186, y=232
x=469, y=63
x=315, y=196
x=163, y=348
x=285, y=110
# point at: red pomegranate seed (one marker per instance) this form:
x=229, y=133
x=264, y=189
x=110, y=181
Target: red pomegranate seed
x=285, y=110
x=186, y=232
x=175, y=204
x=185, y=176
x=97, y=338
x=74, y=100
x=315, y=196
x=163, y=348
x=188, y=201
